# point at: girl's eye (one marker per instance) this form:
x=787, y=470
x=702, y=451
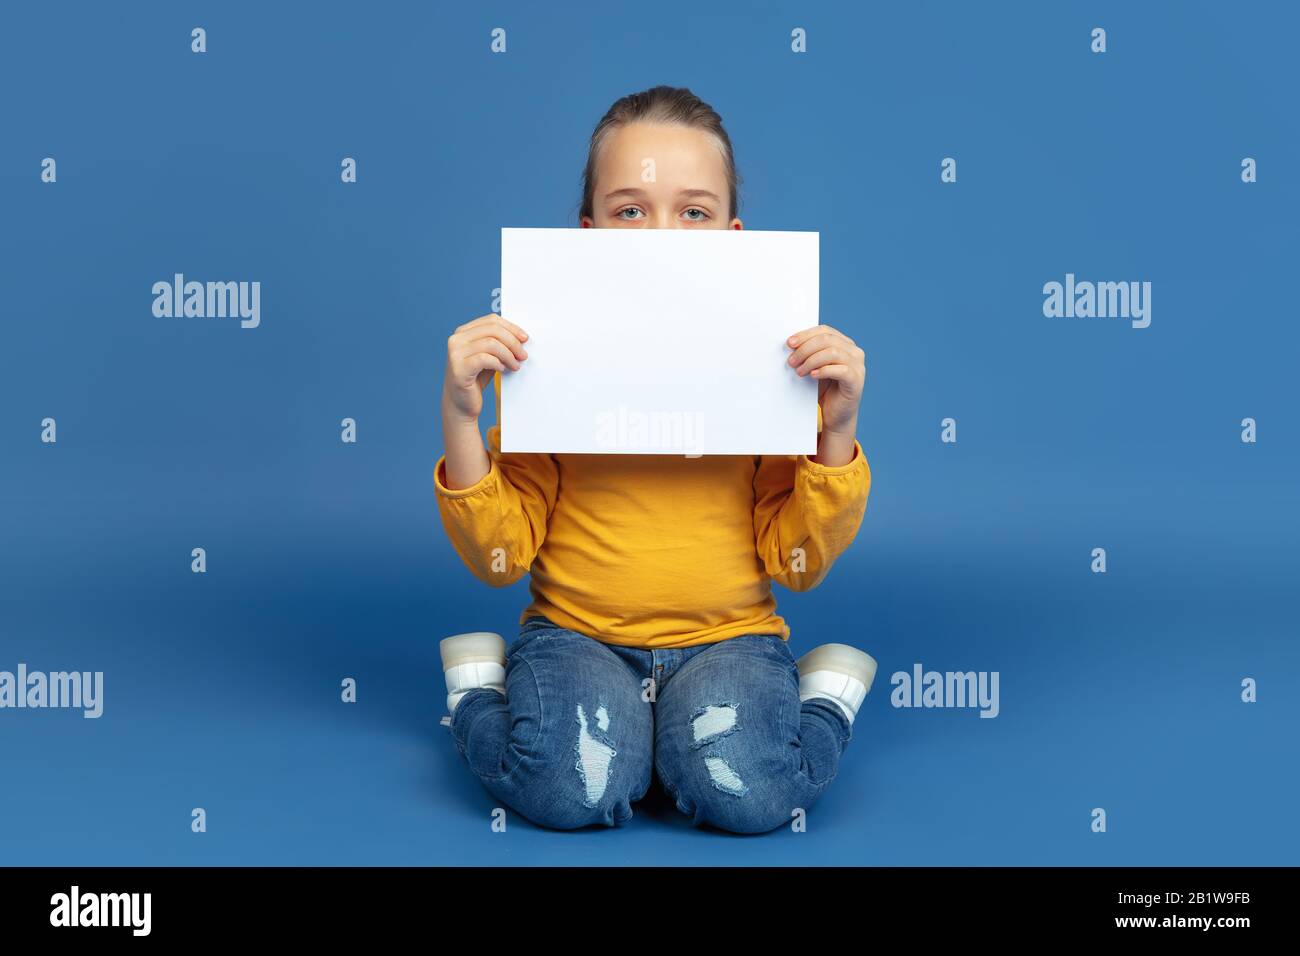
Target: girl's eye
x=629, y=209
x=695, y=214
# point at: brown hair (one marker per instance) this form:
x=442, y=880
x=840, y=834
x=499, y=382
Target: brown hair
x=661, y=104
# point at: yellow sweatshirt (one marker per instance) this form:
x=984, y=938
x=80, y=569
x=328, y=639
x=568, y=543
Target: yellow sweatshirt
x=655, y=551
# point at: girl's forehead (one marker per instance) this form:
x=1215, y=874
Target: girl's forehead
x=674, y=151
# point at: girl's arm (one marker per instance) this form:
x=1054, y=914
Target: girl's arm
x=808, y=510
x=806, y=513
x=494, y=507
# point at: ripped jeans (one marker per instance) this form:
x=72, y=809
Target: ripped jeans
x=584, y=723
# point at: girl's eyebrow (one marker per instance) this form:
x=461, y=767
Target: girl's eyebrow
x=634, y=193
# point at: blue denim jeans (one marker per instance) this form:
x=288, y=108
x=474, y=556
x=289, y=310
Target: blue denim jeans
x=584, y=724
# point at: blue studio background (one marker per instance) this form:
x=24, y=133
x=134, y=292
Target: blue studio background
x=327, y=560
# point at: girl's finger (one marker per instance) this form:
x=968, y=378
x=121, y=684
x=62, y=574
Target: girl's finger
x=520, y=333
x=476, y=323
x=491, y=319
x=501, y=351
x=795, y=340
x=830, y=354
x=480, y=363
x=498, y=333
x=493, y=347
x=841, y=373
x=802, y=335
x=812, y=345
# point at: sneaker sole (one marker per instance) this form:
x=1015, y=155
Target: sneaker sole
x=842, y=659
x=474, y=647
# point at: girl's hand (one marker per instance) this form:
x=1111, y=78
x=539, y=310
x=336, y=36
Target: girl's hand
x=840, y=367
x=475, y=351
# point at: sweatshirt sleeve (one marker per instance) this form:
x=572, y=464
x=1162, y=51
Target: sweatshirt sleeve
x=498, y=524
x=806, y=514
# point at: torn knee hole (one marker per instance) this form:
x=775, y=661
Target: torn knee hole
x=724, y=777
x=711, y=723
x=594, y=754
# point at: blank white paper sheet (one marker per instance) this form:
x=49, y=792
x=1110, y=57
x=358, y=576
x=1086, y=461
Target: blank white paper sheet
x=658, y=341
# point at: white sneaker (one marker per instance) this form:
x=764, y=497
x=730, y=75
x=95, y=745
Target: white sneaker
x=839, y=673
x=477, y=659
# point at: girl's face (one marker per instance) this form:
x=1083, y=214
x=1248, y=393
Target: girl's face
x=652, y=176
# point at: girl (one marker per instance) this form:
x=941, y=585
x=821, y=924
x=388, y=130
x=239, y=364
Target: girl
x=652, y=641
